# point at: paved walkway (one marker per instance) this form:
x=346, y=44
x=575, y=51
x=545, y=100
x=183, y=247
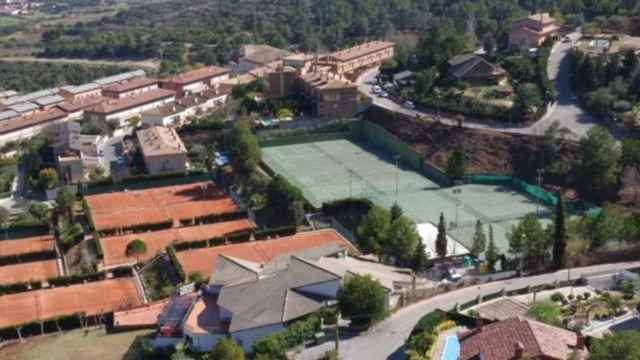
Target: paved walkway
x=386, y=340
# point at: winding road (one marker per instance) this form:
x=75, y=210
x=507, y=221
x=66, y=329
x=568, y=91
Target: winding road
x=386, y=340
x=565, y=110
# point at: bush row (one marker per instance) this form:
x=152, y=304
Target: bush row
x=171, y=251
x=19, y=287
x=349, y=204
x=99, y=250
x=28, y=257
x=274, y=346
x=214, y=218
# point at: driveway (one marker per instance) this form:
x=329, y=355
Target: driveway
x=386, y=340
x=566, y=110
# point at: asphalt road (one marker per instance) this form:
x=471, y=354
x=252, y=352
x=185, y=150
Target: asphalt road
x=566, y=110
x=386, y=340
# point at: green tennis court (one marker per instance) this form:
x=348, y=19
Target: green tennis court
x=336, y=169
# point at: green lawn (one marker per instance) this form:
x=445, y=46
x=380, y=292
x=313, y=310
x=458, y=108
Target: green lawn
x=96, y=345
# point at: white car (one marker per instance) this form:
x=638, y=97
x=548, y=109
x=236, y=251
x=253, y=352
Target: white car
x=409, y=105
x=384, y=94
x=376, y=89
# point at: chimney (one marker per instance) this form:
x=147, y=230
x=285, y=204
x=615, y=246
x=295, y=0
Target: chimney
x=580, y=341
x=479, y=324
x=519, y=350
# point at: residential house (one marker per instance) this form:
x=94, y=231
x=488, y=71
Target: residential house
x=131, y=87
x=359, y=57
x=520, y=338
x=120, y=110
x=179, y=112
x=532, y=31
x=196, y=81
x=255, y=56
x=162, y=150
x=331, y=96
x=476, y=70
x=76, y=106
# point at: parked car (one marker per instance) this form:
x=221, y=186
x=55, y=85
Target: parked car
x=376, y=89
x=384, y=94
x=453, y=275
x=409, y=105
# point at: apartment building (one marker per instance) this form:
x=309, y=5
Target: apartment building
x=196, y=81
x=27, y=126
x=130, y=88
x=77, y=93
x=359, y=57
x=120, y=110
x=181, y=111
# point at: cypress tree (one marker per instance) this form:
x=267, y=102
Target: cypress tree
x=441, y=240
x=559, y=235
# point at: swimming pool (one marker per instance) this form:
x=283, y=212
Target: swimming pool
x=451, y=348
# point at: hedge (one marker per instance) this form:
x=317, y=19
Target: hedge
x=171, y=251
x=338, y=206
x=122, y=271
x=15, y=288
x=99, y=250
x=64, y=322
x=77, y=279
x=182, y=246
x=275, y=345
x=28, y=257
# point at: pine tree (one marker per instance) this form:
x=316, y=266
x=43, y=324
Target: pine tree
x=559, y=235
x=396, y=212
x=491, y=255
x=420, y=260
x=441, y=240
x=479, y=240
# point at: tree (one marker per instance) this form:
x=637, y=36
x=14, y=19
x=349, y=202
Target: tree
x=627, y=289
x=528, y=241
x=419, y=262
x=48, y=178
x=69, y=233
x=136, y=248
x=5, y=217
x=599, y=158
x=456, y=167
x=284, y=198
x=402, y=240
x=65, y=200
x=396, y=212
x=40, y=211
x=528, y=98
x=441, y=239
x=617, y=346
x=479, y=240
x=630, y=152
x=491, y=255
x=373, y=230
x=607, y=226
x=227, y=349
x=559, y=235
x=244, y=150
x=362, y=299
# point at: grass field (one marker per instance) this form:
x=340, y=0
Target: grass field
x=330, y=170
x=95, y=345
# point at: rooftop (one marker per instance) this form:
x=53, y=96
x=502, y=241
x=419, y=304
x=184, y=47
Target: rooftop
x=501, y=309
x=8, y=114
x=159, y=141
x=79, y=89
x=129, y=85
x=499, y=341
x=116, y=105
x=22, y=122
x=204, y=317
x=390, y=277
x=81, y=104
x=120, y=77
x=263, y=54
x=49, y=100
x=361, y=50
x=29, y=97
x=24, y=107
x=145, y=315
x=200, y=74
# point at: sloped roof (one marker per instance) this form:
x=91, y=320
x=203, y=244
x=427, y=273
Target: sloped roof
x=120, y=77
x=117, y=105
x=200, y=74
x=274, y=299
x=129, y=85
x=361, y=50
x=264, y=54
x=499, y=341
x=22, y=122
x=462, y=65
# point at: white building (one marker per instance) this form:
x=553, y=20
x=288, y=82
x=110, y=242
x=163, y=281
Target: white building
x=27, y=126
x=429, y=232
x=120, y=110
x=180, y=112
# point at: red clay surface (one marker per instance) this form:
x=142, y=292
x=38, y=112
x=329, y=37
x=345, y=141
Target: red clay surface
x=145, y=315
x=26, y=245
x=92, y=299
x=114, y=247
x=157, y=205
x=203, y=260
x=25, y=272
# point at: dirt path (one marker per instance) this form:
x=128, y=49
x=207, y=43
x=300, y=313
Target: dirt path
x=144, y=64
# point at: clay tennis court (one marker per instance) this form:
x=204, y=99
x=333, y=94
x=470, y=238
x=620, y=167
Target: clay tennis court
x=114, y=247
x=203, y=260
x=28, y=271
x=28, y=245
x=91, y=299
x=158, y=205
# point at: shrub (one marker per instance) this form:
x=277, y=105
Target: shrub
x=445, y=325
x=275, y=345
x=557, y=297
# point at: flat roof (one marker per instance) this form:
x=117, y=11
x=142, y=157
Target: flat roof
x=24, y=107
x=129, y=85
x=200, y=74
x=27, y=245
x=115, y=247
x=93, y=298
x=361, y=50
x=28, y=271
x=49, y=100
x=30, y=96
x=39, y=117
x=120, y=77
x=8, y=114
x=79, y=89
x=159, y=141
x=81, y=104
x=170, y=203
x=112, y=106
x=145, y=315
